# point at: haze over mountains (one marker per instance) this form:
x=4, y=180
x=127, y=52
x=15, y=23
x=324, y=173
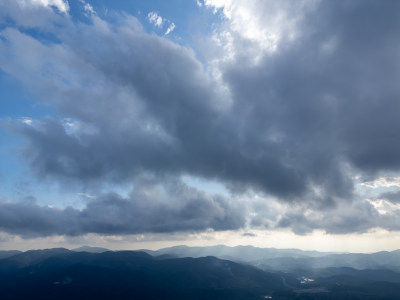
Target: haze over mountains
x=288, y=259
x=198, y=273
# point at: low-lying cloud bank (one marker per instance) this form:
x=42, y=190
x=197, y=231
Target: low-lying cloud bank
x=149, y=208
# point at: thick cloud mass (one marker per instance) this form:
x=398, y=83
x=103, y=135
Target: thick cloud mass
x=331, y=96
x=296, y=123
x=149, y=208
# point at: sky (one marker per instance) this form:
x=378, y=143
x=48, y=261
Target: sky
x=146, y=124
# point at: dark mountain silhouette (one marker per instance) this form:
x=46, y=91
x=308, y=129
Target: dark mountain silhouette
x=64, y=274
x=8, y=253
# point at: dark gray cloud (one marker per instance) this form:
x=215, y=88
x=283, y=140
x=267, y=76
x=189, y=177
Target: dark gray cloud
x=393, y=196
x=357, y=218
x=329, y=107
x=149, y=208
x=296, y=125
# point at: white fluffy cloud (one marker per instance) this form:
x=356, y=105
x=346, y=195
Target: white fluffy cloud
x=61, y=5
x=158, y=21
x=382, y=182
x=155, y=19
x=262, y=24
x=170, y=28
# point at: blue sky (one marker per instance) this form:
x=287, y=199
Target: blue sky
x=151, y=123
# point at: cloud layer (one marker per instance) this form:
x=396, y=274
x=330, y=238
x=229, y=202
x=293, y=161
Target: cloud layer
x=149, y=208
x=289, y=110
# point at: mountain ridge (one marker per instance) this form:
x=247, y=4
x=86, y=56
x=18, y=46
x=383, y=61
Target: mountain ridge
x=60, y=273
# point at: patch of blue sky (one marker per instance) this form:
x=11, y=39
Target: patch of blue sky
x=77, y=11
x=10, y=167
x=44, y=37
x=43, y=193
x=5, y=22
x=15, y=104
x=190, y=20
x=208, y=186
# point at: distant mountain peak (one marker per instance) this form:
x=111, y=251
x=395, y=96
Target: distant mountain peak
x=90, y=249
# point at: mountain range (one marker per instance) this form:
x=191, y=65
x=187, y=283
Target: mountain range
x=198, y=273
x=288, y=259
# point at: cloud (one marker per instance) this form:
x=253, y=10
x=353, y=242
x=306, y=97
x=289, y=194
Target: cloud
x=263, y=25
x=155, y=19
x=382, y=182
x=293, y=118
x=61, y=5
x=88, y=8
x=34, y=14
x=393, y=196
x=359, y=217
x=86, y=195
x=170, y=28
x=299, y=102
x=152, y=208
x=27, y=121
